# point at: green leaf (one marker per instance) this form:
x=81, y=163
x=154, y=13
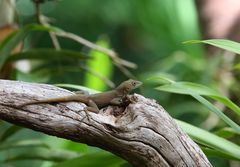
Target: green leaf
x=210, y=140
x=41, y=76
x=220, y=154
x=15, y=38
x=46, y=154
x=193, y=108
x=102, y=64
x=237, y=66
x=95, y=159
x=219, y=113
x=220, y=43
x=188, y=88
x=49, y=54
x=79, y=147
x=22, y=143
x=185, y=87
x=9, y=132
x=196, y=90
x=226, y=132
x=162, y=78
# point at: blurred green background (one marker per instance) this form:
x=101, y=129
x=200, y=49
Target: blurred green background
x=149, y=33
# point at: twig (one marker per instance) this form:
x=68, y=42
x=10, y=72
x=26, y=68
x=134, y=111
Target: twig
x=125, y=71
x=120, y=63
x=38, y=12
x=56, y=44
x=91, y=45
x=101, y=77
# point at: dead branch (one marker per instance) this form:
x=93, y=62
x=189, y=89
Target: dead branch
x=143, y=133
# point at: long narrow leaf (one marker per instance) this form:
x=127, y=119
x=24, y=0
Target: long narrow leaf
x=100, y=159
x=196, y=91
x=46, y=154
x=226, y=133
x=216, y=153
x=9, y=132
x=210, y=140
x=22, y=143
x=220, y=43
x=185, y=87
x=176, y=89
x=15, y=38
x=50, y=54
x=217, y=112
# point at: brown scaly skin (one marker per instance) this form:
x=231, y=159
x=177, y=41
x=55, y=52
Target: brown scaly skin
x=99, y=100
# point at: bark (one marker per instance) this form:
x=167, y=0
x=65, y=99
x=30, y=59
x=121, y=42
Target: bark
x=143, y=133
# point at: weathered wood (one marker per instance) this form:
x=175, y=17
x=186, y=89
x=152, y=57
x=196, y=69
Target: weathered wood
x=143, y=133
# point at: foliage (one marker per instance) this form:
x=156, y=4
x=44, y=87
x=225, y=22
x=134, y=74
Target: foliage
x=196, y=90
x=221, y=43
x=20, y=148
x=212, y=143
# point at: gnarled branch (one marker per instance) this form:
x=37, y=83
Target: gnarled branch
x=143, y=133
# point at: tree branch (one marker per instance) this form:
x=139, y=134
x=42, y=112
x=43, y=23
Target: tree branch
x=143, y=133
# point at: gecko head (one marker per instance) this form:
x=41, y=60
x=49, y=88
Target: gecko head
x=129, y=85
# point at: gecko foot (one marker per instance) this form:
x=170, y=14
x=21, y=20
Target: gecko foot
x=87, y=115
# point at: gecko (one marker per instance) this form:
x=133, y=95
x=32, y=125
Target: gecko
x=96, y=101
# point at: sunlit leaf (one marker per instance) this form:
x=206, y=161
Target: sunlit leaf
x=79, y=147
x=220, y=43
x=210, y=140
x=101, y=63
x=237, y=67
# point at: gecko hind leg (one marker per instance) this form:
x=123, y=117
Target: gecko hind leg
x=92, y=107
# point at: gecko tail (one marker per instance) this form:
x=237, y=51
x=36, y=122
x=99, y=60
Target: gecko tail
x=52, y=100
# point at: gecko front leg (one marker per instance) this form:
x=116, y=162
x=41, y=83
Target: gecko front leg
x=92, y=107
x=116, y=101
x=120, y=101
